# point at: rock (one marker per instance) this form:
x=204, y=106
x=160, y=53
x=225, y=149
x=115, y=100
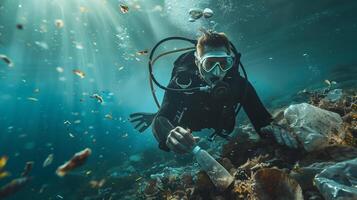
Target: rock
x=313, y=126
x=338, y=181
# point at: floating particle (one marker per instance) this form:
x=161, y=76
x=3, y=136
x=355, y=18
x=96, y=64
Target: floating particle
x=83, y=9
x=157, y=8
x=207, y=13
x=77, y=160
x=6, y=60
x=143, y=52
x=32, y=99
x=20, y=26
x=59, y=69
x=98, y=98
x=43, y=45
x=124, y=135
x=97, y=184
x=124, y=8
x=36, y=90
x=27, y=169
x=48, y=160
x=109, y=116
x=59, y=23
x=79, y=45
x=79, y=73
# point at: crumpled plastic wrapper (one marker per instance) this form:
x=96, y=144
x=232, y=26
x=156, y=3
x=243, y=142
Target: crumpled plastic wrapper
x=338, y=181
x=313, y=126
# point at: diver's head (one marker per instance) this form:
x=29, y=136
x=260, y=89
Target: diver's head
x=213, y=56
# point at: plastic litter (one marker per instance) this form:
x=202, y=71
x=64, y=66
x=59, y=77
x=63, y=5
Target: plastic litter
x=334, y=95
x=338, y=181
x=313, y=126
x=219, y=176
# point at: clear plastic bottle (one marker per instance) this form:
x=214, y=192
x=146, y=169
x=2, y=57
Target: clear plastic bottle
x=220, y=177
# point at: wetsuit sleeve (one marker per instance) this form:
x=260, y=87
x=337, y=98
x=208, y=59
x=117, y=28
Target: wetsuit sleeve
x=164, y=120
x=252, y=105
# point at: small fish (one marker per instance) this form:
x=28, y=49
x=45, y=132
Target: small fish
x=3, y=161
x=124, y=8
x=67, y=122
x=77, y=160
x=48, y=160
x=138, y=179
x=98, y=97
x=4, y=174
x=71, y=135
x=143, y=52
x=14, y=186
x=79, y=73
x=27, y=169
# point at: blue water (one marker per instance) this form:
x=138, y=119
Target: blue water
x=286, y=46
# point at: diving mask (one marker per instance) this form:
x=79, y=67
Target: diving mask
x=214, y=59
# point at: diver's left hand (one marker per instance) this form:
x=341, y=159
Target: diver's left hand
x=282, y=136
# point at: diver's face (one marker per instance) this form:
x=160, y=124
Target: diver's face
x=212, y=76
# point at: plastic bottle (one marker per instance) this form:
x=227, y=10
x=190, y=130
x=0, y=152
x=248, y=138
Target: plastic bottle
x=217, y=173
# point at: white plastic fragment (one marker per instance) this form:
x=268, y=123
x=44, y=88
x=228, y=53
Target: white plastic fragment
x=313, y=126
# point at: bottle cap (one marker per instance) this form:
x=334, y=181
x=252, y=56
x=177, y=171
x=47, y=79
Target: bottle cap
x=196, y=149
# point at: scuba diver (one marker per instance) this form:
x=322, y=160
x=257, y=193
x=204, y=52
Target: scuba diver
x=213, y=67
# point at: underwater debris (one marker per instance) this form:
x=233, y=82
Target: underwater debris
x=124, y=8
x=14, y=186
x=20, y=26
x=79, y=73
x=108, y=116
x=97, y=184
x=27, y=169
x=59, y=69
x=313, y=126
x=217, y=173
x=7, y=60
x=98, y=98
x=77, y=160
x=3, y=162
x=48, y=160
x=59, y=23
x=83, y=9
x=338, y=181
x=32, y=99
x=143, y=52
x=195, y=13
x=78, y=45
x=207, y=13
x=43, y=45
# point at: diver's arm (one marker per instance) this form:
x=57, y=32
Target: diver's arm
x=161, y=129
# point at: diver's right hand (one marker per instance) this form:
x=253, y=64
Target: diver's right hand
x=181, y=140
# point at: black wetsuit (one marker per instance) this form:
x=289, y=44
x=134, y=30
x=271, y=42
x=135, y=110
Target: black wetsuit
x=200, y=110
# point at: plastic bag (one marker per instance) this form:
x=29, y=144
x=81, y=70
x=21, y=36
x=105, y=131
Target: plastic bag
x=338, y=181
x=312, y=125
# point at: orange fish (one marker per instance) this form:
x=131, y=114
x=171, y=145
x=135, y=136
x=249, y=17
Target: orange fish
x=79, y=73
